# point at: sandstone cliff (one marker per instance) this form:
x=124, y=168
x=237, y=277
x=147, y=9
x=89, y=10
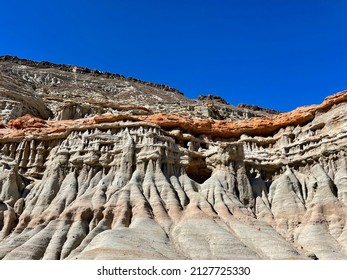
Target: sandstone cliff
x=98, y=166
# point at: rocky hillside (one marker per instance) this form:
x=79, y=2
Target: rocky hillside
x=62, y=92
x=98, y=166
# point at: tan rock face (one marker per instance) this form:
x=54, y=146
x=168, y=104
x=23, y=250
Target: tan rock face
x=139, y=183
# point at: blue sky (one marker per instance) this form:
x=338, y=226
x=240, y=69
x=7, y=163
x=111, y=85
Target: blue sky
x=273, y=53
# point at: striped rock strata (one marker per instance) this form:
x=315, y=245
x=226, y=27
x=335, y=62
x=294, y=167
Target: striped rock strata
x=160, y=186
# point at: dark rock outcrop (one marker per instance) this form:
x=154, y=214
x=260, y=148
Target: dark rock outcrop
x=212, y=98
x=257, y=108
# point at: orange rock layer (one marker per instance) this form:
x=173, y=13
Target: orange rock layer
x=28, y=125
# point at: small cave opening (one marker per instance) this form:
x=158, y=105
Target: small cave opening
x=198, y=171
x=204, y=146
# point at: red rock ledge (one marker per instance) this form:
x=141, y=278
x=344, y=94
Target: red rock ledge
x=28, y=125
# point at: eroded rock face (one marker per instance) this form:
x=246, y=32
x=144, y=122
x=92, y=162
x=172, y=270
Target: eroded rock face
x=153, y=185
x=62, y=92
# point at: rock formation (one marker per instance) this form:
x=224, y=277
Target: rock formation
x=99, y=166
x=212, y=98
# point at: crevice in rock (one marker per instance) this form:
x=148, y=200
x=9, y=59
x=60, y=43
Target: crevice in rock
x=197, y=170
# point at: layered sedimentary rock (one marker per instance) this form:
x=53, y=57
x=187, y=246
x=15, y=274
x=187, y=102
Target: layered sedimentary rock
x=132, y=181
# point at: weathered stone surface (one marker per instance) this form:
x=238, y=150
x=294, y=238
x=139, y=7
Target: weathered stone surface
x=212, y=98
x=131, y=181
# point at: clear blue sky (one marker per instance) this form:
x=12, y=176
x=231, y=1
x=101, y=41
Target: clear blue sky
x=273, y=53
